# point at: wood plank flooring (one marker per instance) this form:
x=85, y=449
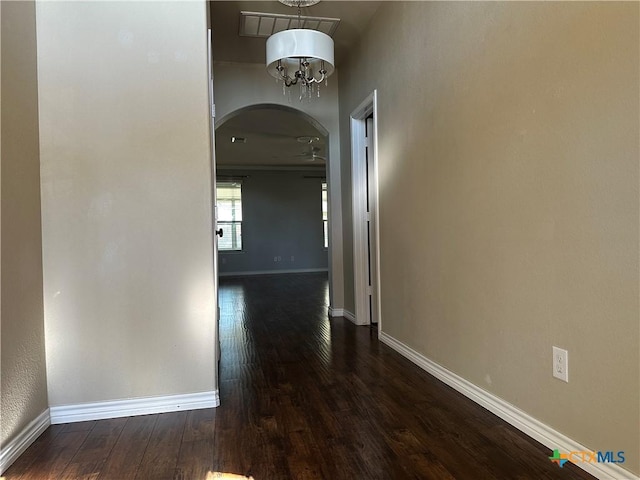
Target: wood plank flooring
x=303, y=397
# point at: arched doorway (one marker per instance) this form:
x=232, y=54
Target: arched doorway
x=272, y=160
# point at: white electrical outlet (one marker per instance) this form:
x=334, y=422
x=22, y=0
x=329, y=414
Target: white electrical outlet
x=561, y=364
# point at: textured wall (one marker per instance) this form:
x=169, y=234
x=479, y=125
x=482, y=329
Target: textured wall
x=282, y=217
x=126, y=195
x=24, y=385
x=508, y=149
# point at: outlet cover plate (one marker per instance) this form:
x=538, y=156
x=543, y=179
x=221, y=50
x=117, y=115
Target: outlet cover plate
x=561, y=364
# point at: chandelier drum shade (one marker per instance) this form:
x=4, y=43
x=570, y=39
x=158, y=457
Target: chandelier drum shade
x=300, y=56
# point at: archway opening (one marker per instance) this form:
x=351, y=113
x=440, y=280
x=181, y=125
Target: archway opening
x=271, y=176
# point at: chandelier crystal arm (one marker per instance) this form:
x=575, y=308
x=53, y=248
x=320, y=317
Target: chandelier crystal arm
x=304, y=73
x=323, y=74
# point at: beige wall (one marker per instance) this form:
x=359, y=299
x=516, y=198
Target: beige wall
x=126, y=200
x=24, y=384
x=508, y=139
x=238, y=85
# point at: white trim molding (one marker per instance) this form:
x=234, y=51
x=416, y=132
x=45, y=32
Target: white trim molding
x=134, y=406
x=23, y=440
x=364, y=193
x=341, y=312
x=519, y=419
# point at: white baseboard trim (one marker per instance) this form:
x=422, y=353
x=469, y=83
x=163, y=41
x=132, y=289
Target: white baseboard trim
x=134, y=406
x=23, y=440
x=349, y=316
x=341, y=312
x=519, y=419
x=272, y=272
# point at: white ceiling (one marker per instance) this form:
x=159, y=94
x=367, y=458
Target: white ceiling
x=271, y=134
x=271, y=139
x=228, y=46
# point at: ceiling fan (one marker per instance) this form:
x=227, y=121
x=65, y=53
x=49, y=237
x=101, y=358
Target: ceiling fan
x=313, y=152
x=311, y=155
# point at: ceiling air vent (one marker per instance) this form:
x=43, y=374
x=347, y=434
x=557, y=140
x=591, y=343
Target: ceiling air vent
x=254, y=24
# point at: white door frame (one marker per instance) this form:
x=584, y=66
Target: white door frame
x=366, y=235
x=214, y=219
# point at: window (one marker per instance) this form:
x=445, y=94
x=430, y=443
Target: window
x=325, y=214
x=229, y=198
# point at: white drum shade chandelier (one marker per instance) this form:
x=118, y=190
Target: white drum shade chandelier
x=300, y=56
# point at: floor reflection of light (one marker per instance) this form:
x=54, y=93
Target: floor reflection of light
x=231, y=299
x=324, y=346
x=326, y=294
x=233, y=331
x=228, y=476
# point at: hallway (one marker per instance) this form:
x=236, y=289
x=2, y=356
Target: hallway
x=302, y=397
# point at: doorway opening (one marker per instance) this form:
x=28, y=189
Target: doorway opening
x=271, y=175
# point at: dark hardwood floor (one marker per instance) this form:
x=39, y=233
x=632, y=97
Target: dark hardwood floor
x=303, y=397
